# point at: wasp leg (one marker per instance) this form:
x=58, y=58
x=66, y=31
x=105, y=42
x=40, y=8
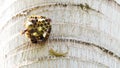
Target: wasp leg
x=23, y=31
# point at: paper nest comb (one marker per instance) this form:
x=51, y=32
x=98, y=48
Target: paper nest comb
x=38, y=28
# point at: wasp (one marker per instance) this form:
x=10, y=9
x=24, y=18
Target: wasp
x=38, y=28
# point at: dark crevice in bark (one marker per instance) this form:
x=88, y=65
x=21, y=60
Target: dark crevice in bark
x=24, y=13
x=95, y=45
x=85, y=7
x=113, y=2
x=40, y=59
x=29, y=45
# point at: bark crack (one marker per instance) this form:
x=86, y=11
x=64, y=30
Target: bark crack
x=32, y=61
x=29, y=46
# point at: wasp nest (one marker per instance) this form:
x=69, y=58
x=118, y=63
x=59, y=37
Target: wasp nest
x=38, y=28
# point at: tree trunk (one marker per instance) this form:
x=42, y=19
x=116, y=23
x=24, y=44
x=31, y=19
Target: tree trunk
x=89, y=28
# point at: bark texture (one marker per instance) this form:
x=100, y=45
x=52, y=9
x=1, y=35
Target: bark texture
x=90, y=29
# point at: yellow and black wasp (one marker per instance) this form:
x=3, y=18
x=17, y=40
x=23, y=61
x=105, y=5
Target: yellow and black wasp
x=38, y=28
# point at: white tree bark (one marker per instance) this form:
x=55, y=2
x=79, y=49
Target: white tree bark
x=92, y=34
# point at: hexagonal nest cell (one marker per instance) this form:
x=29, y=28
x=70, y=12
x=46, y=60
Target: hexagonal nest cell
x=38, y=28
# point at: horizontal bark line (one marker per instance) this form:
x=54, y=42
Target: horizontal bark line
x=115, y=3
x=26, y=12
x=91, y=44
x=103, y=35
x=28, y=45
x=58, y=36
x=112, y=2
x=67, y=24
x=32, y=61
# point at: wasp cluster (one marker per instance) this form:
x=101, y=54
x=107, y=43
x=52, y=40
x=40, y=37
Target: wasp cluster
x=38, y=28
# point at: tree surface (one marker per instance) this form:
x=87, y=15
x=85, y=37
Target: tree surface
x=88, y=29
